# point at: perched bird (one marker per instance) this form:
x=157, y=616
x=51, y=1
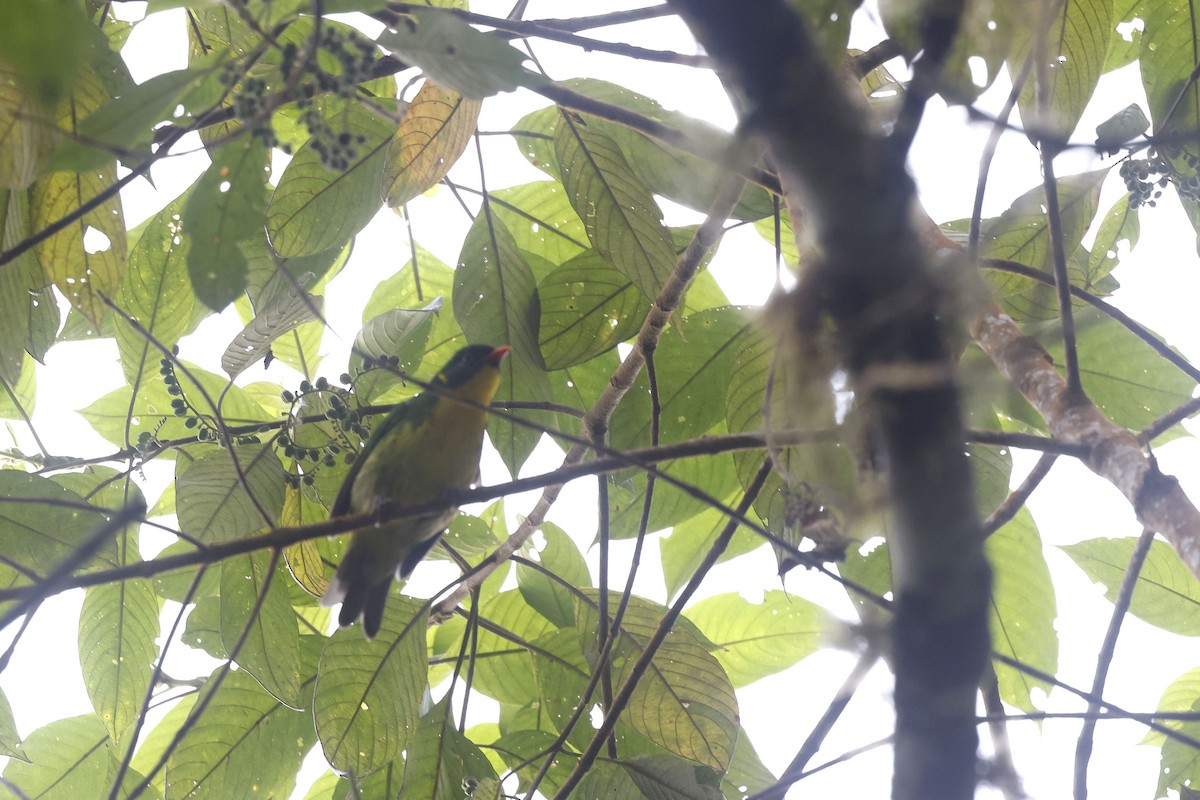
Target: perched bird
x=425, y=447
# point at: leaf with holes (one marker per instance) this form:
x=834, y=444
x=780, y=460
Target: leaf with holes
x=226, y=206
x=156, y=295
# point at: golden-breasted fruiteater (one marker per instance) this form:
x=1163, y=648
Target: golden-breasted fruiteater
x=426, y=446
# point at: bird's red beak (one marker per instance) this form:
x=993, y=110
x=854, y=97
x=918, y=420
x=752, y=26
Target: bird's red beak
x=498, y=355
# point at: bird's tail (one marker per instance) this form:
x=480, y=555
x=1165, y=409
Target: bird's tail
x=358, y=597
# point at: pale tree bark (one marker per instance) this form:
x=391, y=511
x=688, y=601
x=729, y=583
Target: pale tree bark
x=875, y=282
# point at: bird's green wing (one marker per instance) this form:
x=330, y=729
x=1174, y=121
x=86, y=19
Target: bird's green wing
x=412, y=410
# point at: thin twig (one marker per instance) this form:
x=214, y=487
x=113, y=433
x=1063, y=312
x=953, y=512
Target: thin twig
x=665, y=625
x=989, y=152
x=60, y=578
x=795, y=770
x=1003, y=773
x=1054, y=224
x=1083, y=747
x=1109, y=310
x=155, y=677
x=1017, y=498
x=212, y=686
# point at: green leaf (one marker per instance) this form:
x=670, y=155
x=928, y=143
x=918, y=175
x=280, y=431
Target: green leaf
x=1180, y=762
x=226, y=206
x=45, y=529
x=474, y=538
x=271, y=651
x=68, y=759
x=669, y=778
x=759, y=639
x=1023, y=609
x=1166, y=61
x=318, y=207
x=606, y=781
x=423, y=279
x=503, y=671
x=17, y=400
x=368, y=692
x=991, y=467
x=689, y=543
x=436, y=129
x=495, y=301
x=1022, y=234
x=244, y=738
x=1166, y=593
x=1124, y=126
x=10, y=741
x=118, y=626
x=203, y=628
x=588, y=307
x=1124, y=377
x=218, y=500
x=29, y=33
x=665, y=170
x=747, y=774
x=552, y=599
x=684, y=702
x=714, y=475
x=1076, y=45
x=18, y=281
x=457, y=56
x=562, y=675
x=400, y=332
x=693, y=370
x=126, y=124
x=541, y=220
x=27, y=135
x=156, y=294
x=620, y=215
x=441, y=761
x=1121, y=226
x=326, y=787
x=151, y=409
x=525, y=750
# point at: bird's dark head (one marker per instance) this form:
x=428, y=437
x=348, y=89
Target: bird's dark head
x=466, y=364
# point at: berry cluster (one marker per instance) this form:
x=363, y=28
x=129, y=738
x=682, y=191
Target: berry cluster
x=1145, y=178
x=355, y=57
x=207, y=429
x=348, y=428
x=387, y=362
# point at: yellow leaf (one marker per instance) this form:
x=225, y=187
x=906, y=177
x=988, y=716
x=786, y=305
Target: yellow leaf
x=435, y=132
x=86, y=257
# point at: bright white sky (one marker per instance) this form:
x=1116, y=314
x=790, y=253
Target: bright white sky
x=778, y=712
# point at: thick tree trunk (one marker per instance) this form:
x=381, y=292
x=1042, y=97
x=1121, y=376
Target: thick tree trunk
x=874, y=282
